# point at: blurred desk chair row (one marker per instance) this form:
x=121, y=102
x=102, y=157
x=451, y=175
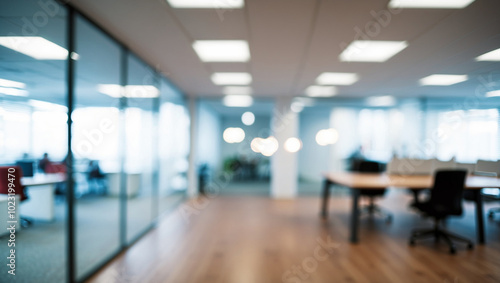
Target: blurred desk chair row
x=409, y=166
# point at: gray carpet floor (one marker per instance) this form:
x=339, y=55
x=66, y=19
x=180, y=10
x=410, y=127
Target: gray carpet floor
x=41, y=247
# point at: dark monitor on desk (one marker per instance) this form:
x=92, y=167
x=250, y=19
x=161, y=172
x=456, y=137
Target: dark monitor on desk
x=27, y=167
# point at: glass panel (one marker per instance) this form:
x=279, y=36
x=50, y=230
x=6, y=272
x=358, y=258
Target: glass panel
x=95, y=146
x=33, y=122
x=140, y=142
x=173, y=136
x=468, y=135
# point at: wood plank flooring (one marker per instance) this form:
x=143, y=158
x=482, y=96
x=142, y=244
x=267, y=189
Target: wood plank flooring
x=244, y=239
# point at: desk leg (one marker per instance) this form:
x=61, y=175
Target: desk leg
x=354, y=215
x=479, y=216
x=326, y=197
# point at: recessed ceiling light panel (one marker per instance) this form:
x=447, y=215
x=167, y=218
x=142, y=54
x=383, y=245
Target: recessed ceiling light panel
x=231, y=78
x=490, y=56
x=330, y=78
x=9, y=83
x=130, y=91
x=494, y=93
x=443, y=80
x=430, y=4
x=207, y=4
x=35, y=46
x=321, y=91
x=237, y=100
x=13, y=91
x=238, y=90
x=371, y=50
x=222, y=50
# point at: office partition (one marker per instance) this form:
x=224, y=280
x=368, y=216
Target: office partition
x=93, y=107
x=33, y=122
x=96, y=147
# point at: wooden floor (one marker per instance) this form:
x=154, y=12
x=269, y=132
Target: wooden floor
x=243, y=239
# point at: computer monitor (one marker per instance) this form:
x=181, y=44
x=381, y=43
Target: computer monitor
x=27, y=167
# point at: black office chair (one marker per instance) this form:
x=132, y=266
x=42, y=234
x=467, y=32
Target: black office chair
x=370, y=209
x=445, y=200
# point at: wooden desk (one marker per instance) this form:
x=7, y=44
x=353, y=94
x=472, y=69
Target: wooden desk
x=356, y=181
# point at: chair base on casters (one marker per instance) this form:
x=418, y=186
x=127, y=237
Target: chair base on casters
x=491, y=212
x=439, y=233
x=26, y=222
x=372, y=209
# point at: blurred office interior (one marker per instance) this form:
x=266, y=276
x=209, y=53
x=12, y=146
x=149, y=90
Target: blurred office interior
x=108, y=139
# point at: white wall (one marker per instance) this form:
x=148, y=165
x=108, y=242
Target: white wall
x=313, y=158
x=284, y=165
x=209, y=136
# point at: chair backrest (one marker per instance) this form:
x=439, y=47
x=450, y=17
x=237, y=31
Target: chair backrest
x=16, y=180
x=55, y=167
x=368, y=167
x=448, y=189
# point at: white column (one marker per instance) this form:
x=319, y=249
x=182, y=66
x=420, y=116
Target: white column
x=284, y=174
x=192, y=172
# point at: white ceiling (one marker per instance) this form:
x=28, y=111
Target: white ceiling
x=293, y=41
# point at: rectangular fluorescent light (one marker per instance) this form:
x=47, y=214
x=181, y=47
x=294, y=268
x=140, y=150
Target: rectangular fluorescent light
x=111, y=90
x=321, y=91
x=380, y=101
x=130, y=91
x=237, y=100
x=371, y=50
x=207, y=4
x=494, y=93
x=222, y=50
x=141, y=91
x=430, y=4
x=337, y=78
x=47, y=105
x=237, y=90
x=13, y=91
x=440, y=79
x=35, y=46
x=231, y=78
x=490, y=56
x=9, y=83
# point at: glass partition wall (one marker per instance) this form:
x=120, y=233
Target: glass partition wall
x=95, y=146
x=33, y=122
x=126, y=120
x=142, y=96
x=173, y=150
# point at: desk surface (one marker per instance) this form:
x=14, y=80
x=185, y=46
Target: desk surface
x=43, y=179
x=380, y=181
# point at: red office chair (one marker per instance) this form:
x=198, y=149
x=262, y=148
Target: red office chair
x=16, y=180
x=4, y=181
